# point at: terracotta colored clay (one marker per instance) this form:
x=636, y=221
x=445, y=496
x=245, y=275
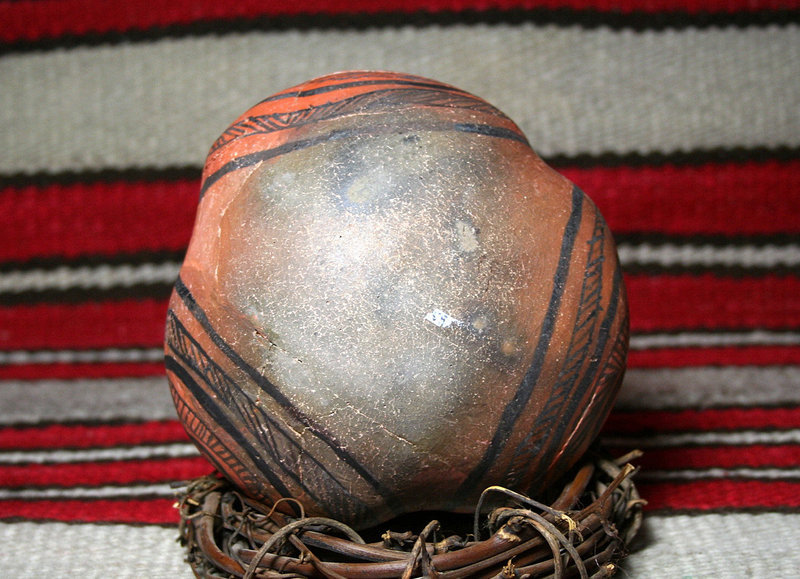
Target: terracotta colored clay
x=390, y=303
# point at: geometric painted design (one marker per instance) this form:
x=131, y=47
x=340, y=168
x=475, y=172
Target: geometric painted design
x=273, y=450
x=550, y=421
x=223, y=457
x=516, y=406
x=278, y=431
x=609, y=379
x=262, y=124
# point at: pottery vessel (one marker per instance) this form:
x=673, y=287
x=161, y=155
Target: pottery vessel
x=390, y=302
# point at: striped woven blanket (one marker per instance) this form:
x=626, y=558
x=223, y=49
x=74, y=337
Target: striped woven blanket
x=679, y=118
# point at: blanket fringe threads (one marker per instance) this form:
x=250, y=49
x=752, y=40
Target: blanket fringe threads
x=583, y=533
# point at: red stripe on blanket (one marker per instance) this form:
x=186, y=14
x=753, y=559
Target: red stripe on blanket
x=643, y=421
x=661, y=496
x=127, y=323
x=754, y=456
x=727, y=356
x=657, y=304
x=70, y=371
x=154, y=511
x=86, y=218
x=720, y=494
x=730, y=198
x=178, y=469
x=35, y=19
x=104, y=473
x=92, y=436
x=97, y=218
x=676, y=302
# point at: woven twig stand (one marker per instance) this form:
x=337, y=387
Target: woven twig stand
x=583, y=533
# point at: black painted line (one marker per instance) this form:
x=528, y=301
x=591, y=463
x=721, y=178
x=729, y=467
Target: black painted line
x=347, y=106
x=516, y=406
x=231, y=401
x=260, y=156
x=345, y=84
x=172, y=365
x=576, y=355
x=492, y=131
x=574, y=397
x=316, y=429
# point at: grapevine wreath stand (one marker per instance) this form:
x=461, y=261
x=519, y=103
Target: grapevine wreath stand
x=583, y=533
x=392, y=307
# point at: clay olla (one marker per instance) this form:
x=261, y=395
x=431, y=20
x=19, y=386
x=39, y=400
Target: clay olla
x=390, y=303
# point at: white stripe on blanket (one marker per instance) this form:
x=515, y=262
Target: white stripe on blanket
x=30, y=402
x=710, y=546
x=572, y=90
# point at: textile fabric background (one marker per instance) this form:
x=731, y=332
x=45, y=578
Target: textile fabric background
x=680, y=118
